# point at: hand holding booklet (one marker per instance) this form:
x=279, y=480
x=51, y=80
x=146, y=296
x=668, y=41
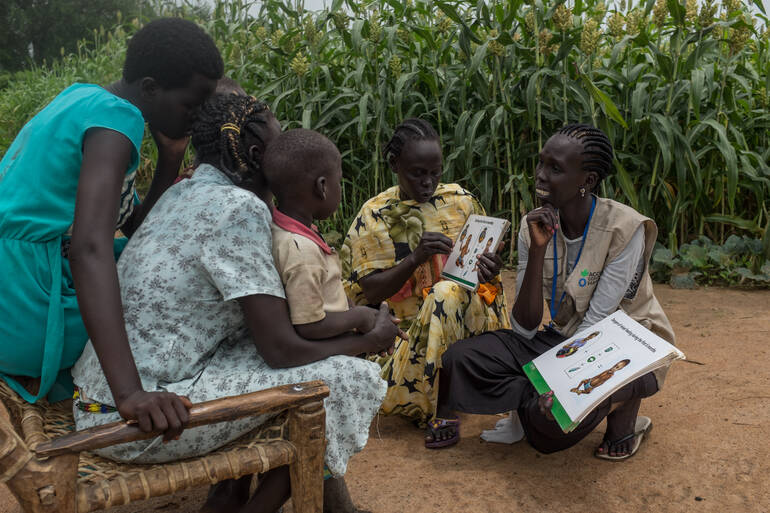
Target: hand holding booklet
x=587, y=368
x=480, y=234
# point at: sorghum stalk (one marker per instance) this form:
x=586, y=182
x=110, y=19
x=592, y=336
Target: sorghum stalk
x=538, y=91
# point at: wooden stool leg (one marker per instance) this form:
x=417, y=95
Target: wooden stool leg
x=39, y=486
x=307, y=431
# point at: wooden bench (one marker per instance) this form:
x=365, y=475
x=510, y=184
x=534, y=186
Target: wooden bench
x=47, y=465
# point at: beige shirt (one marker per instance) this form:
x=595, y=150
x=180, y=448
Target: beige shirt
x=311, y=278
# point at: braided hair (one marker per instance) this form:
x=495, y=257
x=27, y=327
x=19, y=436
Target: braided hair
x=218, y=131
x=412, y=129
x=597, y=148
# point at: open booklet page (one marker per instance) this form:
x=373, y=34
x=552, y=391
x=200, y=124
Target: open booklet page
x=481, y=234
x=587, y=368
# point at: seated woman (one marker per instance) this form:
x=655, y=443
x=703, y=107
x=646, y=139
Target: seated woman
x=395, y=251
x=197, y=281
x=587, y=257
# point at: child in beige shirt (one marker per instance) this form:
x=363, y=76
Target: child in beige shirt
x=304, y=171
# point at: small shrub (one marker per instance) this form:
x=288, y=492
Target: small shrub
x=740, y=261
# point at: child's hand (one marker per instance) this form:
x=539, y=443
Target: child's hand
x=432, y=243
x=157, y=411
x=401, y=334
x=383, y=335
x=366, y=318
x=369, y=318
x=543, y=223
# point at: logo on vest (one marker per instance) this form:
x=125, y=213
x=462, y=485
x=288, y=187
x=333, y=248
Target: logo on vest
x=588, y=278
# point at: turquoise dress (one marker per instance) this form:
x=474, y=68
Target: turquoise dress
x=41, y=330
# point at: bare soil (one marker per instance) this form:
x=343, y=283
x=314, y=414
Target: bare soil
x=708, y=450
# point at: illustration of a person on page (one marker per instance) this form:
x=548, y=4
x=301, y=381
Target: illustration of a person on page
x=572, y=347
x=587, y=385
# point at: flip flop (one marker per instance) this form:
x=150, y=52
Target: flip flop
x=643, y=426
x=437, y=426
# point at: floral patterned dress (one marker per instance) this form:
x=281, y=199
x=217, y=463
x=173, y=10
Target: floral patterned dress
x=205, y=244
x=434, y=313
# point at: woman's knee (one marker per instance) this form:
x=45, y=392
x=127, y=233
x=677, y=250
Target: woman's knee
x=457, y=353
x=444, y=289
x=351, y=368
x=546, y=436
x=645, y=386
x=486, y=349
x=640, y=388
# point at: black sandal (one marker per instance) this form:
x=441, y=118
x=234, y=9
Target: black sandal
x=438, y=427
x=643, y=426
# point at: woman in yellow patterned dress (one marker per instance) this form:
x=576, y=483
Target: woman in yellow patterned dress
x=395, y=250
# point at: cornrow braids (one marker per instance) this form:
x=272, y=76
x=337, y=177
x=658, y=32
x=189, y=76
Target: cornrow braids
x=219, y=129
x=597, y=148
x=412, y=129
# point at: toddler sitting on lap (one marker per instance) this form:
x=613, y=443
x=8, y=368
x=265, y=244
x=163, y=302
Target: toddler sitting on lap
x=304, y=169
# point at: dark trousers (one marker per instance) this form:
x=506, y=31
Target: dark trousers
x=484, y=375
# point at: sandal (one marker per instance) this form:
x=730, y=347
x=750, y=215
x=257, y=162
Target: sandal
x=643, y=426
x=437, y=427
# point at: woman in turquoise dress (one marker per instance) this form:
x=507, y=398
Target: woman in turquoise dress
x=66, y=185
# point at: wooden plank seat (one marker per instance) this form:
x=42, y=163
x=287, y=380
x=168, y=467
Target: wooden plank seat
x=48, y=467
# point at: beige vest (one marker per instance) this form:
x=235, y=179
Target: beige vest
x=612, y=226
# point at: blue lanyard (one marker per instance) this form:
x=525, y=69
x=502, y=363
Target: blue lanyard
x=555, y=308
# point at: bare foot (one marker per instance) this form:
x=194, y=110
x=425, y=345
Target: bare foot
x=620, y=423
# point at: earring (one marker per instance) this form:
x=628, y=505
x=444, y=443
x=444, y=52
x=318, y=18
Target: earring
x=582, y=192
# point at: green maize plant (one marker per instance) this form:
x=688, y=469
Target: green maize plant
x=680, y=88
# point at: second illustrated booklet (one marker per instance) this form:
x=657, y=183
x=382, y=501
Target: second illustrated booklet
x=481, y=234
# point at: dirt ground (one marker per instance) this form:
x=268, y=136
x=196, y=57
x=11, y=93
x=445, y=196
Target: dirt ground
x=708, y=450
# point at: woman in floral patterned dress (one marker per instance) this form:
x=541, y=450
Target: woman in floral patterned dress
x=395, y=251
x=197, y=281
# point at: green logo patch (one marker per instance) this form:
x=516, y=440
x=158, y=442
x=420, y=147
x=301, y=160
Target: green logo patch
x=584, y=273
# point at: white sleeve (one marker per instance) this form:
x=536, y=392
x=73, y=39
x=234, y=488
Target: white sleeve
x=615, y=280
x=523, y=250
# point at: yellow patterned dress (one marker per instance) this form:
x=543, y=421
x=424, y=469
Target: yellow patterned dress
x=435, y=313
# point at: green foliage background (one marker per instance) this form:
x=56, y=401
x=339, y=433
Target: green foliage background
x=39, y=30
x=681, y=89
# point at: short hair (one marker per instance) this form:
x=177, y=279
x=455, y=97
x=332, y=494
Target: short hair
x=597, y=148
x=172, y=50
x=293, y=157
x=219, y=128
x=412, y=129
x=227, y=85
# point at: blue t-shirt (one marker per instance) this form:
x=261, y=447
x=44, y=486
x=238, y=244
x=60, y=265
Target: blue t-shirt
x=40, y=325
x=39, y=173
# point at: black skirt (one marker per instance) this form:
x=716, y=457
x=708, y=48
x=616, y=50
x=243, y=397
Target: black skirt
x=484, y=375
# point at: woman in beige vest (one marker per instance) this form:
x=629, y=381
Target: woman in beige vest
x=586, y=257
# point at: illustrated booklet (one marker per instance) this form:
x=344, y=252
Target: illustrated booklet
x=481, y=234
x=587, y=368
